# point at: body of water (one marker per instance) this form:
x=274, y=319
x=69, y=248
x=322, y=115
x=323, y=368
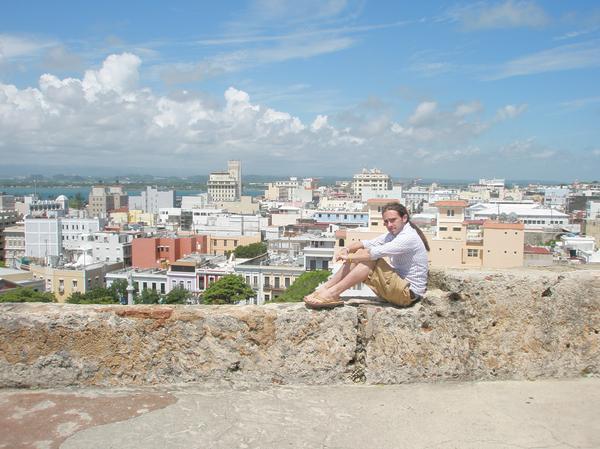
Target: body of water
x=50, y=193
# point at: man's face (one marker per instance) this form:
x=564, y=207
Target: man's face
x=393, y=221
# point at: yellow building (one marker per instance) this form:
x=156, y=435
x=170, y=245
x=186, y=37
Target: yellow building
x=474, y=243
x=219, y=244
x=64, y=281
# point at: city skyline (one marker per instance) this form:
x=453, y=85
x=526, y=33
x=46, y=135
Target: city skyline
x=445, y=90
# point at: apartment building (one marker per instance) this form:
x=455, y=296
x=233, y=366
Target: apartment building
x=291, y=190
x=81, y=277
x=8, y=218
x=474, y=243
x=101, y=201
x=151, y=200
x=7, y=202
x=226, y=186
x=372, y=178
x=14, y=244
x=269, y=276
x=224, y=244
x=158, y=252
x=534, y=216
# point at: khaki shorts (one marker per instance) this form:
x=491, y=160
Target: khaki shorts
x=387, y=284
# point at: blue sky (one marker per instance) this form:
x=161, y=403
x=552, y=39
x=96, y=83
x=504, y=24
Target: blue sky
x=451, y=90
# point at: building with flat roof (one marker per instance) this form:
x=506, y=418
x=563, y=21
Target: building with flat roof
x=372, y=178
x=158, y=252
x=227, y=185
x=152, y=200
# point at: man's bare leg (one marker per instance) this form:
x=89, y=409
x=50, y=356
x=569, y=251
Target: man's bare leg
x=337, y=277
x=358, y=274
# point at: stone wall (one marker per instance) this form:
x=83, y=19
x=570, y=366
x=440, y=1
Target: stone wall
x=472, y=325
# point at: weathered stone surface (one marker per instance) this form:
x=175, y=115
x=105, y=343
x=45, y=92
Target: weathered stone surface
x=505, y=324
x=59, y=344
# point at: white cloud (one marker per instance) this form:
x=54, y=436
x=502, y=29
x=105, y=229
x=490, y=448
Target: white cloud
x=16, y=46
x=465, y=109
x=424, y=113
x=564, y=57
x=107, y=119
x=510, y=111
x=507, y=14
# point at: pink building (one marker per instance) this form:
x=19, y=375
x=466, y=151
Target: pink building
x=156, y=252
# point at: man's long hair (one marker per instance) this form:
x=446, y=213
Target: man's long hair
x=402, y=211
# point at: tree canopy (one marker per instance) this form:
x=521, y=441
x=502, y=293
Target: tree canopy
x=26, y=294
x=306, y=283
x=229, y=289
x=250, y=251
x=178, y=295
x=98, y=295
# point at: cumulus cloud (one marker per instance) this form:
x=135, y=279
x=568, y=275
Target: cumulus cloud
x=107, y=118
x=507, y=14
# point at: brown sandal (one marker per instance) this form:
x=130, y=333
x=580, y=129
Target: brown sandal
x=322, y=303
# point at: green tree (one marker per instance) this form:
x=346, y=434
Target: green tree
x=118, y=289
x=229, y=289
x=98, y=295
x=178, y=295
x=77, y=202
x=250, y=251
x=26, y=294
x=306, y=283
x=148, y=296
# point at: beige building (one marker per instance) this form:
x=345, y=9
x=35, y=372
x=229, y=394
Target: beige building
x=226, y=186
x=8, y=218
x=245, y=206
x=220, y=245
x=14, y=244
x=375, y=207
x=64, y=281
x=474, y=243
x=373, y=178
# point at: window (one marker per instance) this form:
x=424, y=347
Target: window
x=255, y=281
x=144, y=285
x=472, y=252
x=286, y=282
x=266, y=281
x=162, y=287
x=443, y=228
x=456, y=229
x=154, y=286
x=277, y=282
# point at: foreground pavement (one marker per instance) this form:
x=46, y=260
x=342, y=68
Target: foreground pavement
x=540, y=414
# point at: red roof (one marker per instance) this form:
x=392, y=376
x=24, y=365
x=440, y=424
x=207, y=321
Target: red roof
x=528, y=249
x=451, y=203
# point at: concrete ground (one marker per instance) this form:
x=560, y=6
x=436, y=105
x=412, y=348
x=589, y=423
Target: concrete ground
x=540, y=414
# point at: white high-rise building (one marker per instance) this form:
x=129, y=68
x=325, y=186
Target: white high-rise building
x=226, y=186
x=373, y=178
x=152, y=200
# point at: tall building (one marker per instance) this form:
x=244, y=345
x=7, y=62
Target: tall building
x=370, y=178
x=152, y=200
x=7, y=202
x=14, y=245
x=104, y=199
x=226, y=186
x=8, y=218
